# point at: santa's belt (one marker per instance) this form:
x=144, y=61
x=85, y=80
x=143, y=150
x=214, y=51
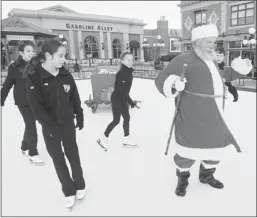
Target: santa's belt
x=204, y=95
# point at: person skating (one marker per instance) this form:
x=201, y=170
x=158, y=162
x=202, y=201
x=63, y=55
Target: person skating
x=219, y=59
x=201, y=132
x=15, y=79
x=120, y=99
x=54, y=98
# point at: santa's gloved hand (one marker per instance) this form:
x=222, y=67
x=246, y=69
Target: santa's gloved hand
x=242, y=66
x=80, y=121
x=180, y=85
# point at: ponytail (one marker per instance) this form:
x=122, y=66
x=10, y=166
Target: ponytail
x=18, y=61
x=31, y=66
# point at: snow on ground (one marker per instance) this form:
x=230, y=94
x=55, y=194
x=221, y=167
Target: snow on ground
x=130, y=182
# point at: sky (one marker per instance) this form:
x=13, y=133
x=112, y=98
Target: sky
x=148, y=11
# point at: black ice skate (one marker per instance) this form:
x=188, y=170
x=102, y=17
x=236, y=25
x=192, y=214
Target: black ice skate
x=206, y=177
x=182, y=183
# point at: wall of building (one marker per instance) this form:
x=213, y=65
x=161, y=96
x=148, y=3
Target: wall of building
x=228, y=34
x=75, y=31
x=188, y=17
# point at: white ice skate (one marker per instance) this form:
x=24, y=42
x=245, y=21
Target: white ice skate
x=80, y=194
x=103, y=142
x=128, y=142
x=36, y=160
x=69, y=202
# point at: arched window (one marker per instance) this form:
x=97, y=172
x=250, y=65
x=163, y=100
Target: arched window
x=116, y=48
x=91, y=47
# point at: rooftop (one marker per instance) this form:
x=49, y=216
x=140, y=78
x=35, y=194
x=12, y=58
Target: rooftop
x=15, y=24
x=62, y=12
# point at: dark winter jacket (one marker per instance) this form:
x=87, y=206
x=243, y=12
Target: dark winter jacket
x=15, y=78
x=123, y=83
x=53, y=99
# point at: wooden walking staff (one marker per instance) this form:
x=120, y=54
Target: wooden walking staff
x=176, y=111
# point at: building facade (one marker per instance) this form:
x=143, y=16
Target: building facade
x=233, y=20
x=170, y=37
x=89, y=36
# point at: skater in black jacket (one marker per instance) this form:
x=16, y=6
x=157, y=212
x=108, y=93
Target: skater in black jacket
x=120, y=100
x=220, y=57
x=54, y=98
x=15, y=79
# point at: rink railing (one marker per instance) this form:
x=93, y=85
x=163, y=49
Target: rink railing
x=138, y=73
x=144, y=74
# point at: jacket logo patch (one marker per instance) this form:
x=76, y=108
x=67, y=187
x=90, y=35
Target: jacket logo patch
x=66, y=88
x=32, y=87
x=46, y=84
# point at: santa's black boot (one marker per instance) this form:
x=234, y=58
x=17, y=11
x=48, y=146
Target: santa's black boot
x=206, y=177
x=182, y=183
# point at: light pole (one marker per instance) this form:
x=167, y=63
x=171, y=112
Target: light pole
x=158, y=44
x=251, y=41
x=145, y=44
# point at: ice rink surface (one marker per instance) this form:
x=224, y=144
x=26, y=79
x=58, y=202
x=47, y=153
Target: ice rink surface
x=130, y=182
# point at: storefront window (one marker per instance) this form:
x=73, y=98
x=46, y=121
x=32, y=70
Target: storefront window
x=116, y=48
x=188, y=47
x=233, y=55
x=235, y=44
x=91, y=47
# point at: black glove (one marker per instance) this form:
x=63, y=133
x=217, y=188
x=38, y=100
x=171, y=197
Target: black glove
x=80, y=121
x=133, y=104
x=2, y=104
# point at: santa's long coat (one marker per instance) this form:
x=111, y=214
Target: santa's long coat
x=200, y=129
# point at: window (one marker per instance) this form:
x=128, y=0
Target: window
x=242, y=14
x=91, y=47
x=235, y=44
x=116, y=48
x=188, y=47
x=200, y=17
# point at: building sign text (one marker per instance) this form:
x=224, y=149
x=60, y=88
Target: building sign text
x=89, y=27
x=19, y=37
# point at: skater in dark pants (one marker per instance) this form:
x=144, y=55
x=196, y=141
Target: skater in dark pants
x=121, y=100
x=220, y=53
x=15, y=78
x=54, y=98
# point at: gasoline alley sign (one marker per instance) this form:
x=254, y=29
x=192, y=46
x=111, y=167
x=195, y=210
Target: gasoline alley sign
x=89, y=27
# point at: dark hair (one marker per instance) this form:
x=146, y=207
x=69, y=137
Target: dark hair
x=22, y=46
x=51, y=46
x=123, y=56
x=220, y=49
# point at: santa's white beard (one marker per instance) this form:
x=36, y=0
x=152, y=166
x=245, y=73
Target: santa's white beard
x=206, y=56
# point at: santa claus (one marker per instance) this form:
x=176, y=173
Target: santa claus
x=201, y=132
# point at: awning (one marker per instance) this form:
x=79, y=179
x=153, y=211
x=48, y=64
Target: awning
x=134, y=44
x=16, y=26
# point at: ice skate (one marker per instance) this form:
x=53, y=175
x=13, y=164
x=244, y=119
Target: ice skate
x=128, y=142
x=36, y=160
x=69, y=202
x=103, y=142
x=80, y=194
